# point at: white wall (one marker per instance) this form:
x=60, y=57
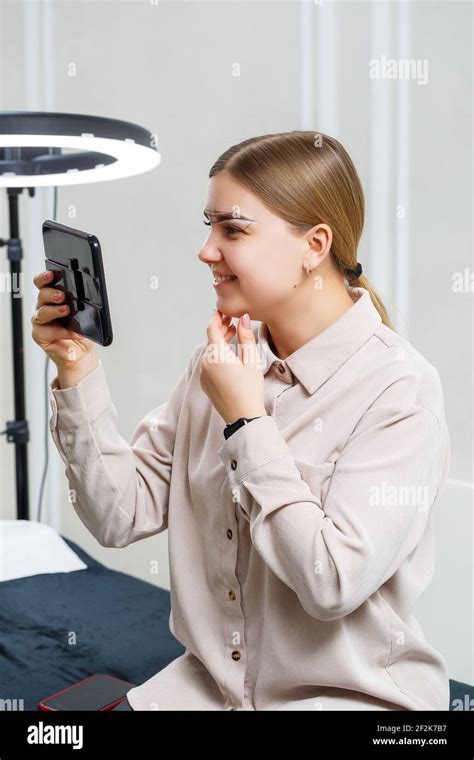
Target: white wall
x=169, y=67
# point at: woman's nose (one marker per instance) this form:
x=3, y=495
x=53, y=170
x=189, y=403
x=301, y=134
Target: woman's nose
x=209, y=255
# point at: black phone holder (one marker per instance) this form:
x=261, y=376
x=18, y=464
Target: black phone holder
x=82, y=295
x=79, y=285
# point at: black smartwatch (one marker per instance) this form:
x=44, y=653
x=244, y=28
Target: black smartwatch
x=231, y=427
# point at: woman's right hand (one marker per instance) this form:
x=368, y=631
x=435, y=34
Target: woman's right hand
x=73, y=354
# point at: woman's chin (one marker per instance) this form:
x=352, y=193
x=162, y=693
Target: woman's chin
x=229, y=307
x=231, y=311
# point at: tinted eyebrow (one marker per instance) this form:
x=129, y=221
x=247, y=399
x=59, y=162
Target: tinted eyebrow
x=222, y=216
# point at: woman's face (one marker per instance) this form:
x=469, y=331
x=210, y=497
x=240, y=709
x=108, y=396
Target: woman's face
x=262, y=252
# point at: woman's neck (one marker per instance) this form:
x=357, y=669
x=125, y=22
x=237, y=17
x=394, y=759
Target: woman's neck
x=288, y=333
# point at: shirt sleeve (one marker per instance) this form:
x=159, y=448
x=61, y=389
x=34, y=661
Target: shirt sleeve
x=119, y=489
x=335, y=555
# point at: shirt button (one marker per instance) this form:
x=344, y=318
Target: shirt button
x=235, y=655
x=231, y=595
x=233, y=464
x=229, y=533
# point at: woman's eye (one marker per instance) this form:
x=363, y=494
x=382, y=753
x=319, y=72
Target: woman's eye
x=232, y=230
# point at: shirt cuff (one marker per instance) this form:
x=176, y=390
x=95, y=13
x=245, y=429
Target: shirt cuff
x=252, y=446
x=80, y=404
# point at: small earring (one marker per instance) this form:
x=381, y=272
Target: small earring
x=308, y=271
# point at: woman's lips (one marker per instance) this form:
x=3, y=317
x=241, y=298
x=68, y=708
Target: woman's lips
x=220, y=283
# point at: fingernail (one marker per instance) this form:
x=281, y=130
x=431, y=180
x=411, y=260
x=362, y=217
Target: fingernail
x=246, y=320
x=46, y=275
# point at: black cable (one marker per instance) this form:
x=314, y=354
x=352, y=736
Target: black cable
x=46, y=409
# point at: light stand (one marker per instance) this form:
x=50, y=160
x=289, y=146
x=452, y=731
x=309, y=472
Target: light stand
x=31, y=145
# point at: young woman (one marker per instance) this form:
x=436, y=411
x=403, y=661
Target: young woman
x=295, y=464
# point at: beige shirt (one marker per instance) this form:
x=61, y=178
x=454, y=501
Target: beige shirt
x=299, y=546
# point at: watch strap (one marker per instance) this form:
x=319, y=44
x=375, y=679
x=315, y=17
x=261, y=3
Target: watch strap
x=231, y=427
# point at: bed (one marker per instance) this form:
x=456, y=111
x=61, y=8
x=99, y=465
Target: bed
x=120, y=625
x=120, y=622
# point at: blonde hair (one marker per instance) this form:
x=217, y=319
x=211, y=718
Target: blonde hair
x=306, y=178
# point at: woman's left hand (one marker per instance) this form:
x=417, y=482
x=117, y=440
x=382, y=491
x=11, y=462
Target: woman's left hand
x=232, y=381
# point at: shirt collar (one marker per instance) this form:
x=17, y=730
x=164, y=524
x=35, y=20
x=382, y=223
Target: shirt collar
x=318, y=359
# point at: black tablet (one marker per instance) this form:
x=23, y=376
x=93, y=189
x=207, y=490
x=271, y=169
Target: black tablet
x=75, y=257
